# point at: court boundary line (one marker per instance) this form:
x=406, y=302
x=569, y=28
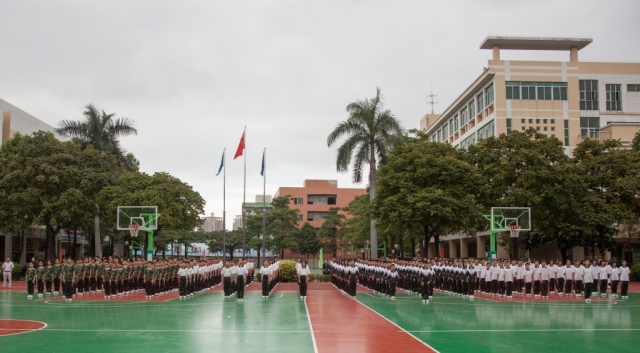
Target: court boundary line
x=313, y=335
x=527, y=330
x=396, y=325
x=19, y=333
x=174, y=330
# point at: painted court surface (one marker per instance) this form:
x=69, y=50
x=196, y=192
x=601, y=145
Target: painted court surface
x=328, y=322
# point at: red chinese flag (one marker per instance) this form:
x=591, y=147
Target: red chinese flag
x=240, y=149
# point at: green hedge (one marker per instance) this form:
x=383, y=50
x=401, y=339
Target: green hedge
x=635, y=272
x=16, y=273
x=288, y=271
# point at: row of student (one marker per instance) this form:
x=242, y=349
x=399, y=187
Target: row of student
x=344, y=276
x=303, y=274
x=466, y=276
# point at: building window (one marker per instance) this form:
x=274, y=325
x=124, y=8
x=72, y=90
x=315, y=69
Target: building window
x=489, y=94
x=317, y=216
x=297, y=201
x=299, y=216
x=633, y=87
x=544, y=121
x=463, y=117
x=537, y=121
x=545, y=128
x=456, y=127
x=486, y=131
x=321, y=199
x=536, y=90
x=471, y=140
x=590, y=127
x=523, y=120
x=553, y=128
x=524, y=128
x=613, y=97
x=480, y=104
x=589, y=95
x=537, y=128
x=439, y=134
x=530, y=121
x=566, y=132
x=508, y=126
x=445, y=134
x=553, y=121
x=472, y=109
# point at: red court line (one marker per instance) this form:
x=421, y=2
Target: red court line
x=342, y=324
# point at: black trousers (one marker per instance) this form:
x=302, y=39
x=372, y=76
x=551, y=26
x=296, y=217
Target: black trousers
x=578, y=286
x=93, y=284
x=265, y=286
x=560, y=284
x=56, y=284
x=588, y=289
x=107, y=287
x=527, y=288
x=614, y=287
x=114, y=287
x=545, y=288
x=392, y=289
x=303, y=285
x=40, y=286
x=568, y=286
x=149, y=287
x=501, y=287
x=100, y=283
x=494, y=286
x=240, y=286
x=48, y=286
x=68, y=289
x=536, y=287
x=603, y=286
x=183, y=286
x=227, y=286
x=80, y=285
x=30, y=286
x=624, y=287
x=509, y=288
x=519, y=285
x=552, y=284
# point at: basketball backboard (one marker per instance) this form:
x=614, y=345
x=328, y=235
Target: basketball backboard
x=146, y=217
x=503, y=218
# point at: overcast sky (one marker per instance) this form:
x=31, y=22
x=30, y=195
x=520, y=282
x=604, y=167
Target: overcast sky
x=192, y=74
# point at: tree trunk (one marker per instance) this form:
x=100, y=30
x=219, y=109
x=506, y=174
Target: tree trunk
x=401, y=245
x=514, y=246
x=96, y=235
x=436, y=241
x=75, y=243
x=50, y=244
x=413, y=248
x=564, y=253
x=372, y=195
x=424, y=244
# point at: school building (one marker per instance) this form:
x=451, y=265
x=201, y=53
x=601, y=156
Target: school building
x=314, y=199
x=22, y=245
x=570, y=100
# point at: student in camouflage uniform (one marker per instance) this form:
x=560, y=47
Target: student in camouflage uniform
x=105, y=278
x=68, y=279
x=149, y=280
x=32, y=274
x=79, y=276
x=87, y=276
x=119, y=279
x=99, y=275
x=57, y=277
x=48, y=277
x=40, y=278
x=93, y=274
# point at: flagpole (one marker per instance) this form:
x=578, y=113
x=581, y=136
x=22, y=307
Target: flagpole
x=244, y=190
x=264, y=200
x=224, y=207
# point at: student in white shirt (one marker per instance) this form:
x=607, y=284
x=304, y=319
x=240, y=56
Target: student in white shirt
x=528, y=277
x=241, y=271
x=303, y=279
x=578, y=284
x=544, y=279
x=536, y=279
x=560, y=270
x=508, y=279
x=603, y=275
x=7, y=267
x=587, y=275
x=226, y=278
x=615, y=279
x=265, y=272
x=568, y=278
x=624, y=280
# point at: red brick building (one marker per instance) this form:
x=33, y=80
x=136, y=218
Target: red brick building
x=316, y=197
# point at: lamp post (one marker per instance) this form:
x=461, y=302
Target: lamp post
x=175, y=244
x=126, y=245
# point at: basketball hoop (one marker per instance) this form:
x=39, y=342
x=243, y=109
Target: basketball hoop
x=134, y=229
x=514, y=230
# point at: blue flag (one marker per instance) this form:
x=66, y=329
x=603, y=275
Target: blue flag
x=221, y=164
x=262, y=171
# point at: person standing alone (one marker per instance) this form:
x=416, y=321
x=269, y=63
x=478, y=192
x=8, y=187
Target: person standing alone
x=7, y=267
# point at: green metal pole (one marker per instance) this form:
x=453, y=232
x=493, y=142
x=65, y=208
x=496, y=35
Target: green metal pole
x=492, y=246
x=150, y=247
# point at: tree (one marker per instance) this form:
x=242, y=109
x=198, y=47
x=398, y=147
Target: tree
x=356, y=228
x=308, y=242
x=103, y=131
x=179, y=205
x=282, y=224
x=45, y=181
x=528, y=169
x=233, y=242
x=330, y=228
x=611, y=177
x=428, y=185
x=372, y=132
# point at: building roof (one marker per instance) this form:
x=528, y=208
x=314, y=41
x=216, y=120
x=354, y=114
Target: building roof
x=535, y=43
x=256, y=205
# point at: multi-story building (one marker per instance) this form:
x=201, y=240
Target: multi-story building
x=570, y=100
x=237, y=222
x=212, y=223
x=30, y=242
x=261, y=201
x=316, y=197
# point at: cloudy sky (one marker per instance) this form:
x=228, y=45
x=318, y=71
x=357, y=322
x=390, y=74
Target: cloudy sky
x=192, y=74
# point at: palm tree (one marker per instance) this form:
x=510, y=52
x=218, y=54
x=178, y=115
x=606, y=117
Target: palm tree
x=372, y=132
x=102, y=131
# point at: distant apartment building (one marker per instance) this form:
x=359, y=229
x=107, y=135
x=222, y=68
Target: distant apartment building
x=212, y=223
x=237, y=222
x=316, y=197
x=570, y=100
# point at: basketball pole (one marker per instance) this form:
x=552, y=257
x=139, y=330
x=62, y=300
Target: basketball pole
x=224, y=207
x=264, y=202
x=244, y=189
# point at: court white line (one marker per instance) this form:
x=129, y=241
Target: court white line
x=199, y=331
x=396, y=325
x=19, y=333
x=313, y=336
x=529, y=330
